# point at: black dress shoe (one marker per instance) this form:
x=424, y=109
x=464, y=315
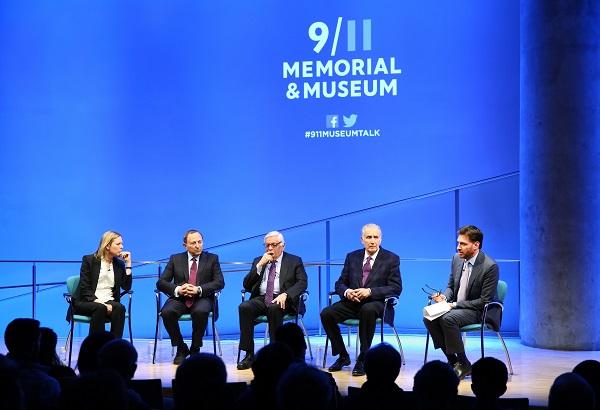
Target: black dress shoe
x=462, y=370
x=182, y=353
x=194, y=350
x=359, y=369
x=339, y=363
x=246, y=362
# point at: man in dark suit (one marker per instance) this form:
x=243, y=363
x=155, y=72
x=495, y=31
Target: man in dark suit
x=369, y=276
x=276, y=280
x=190, y=280
x=473, y=283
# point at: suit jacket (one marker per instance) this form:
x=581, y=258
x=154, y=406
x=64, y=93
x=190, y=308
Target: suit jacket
x=88, y=279
x=482, y=287
x=209, y=276
x=292, y=279
x=483, y=282
x=384, y=279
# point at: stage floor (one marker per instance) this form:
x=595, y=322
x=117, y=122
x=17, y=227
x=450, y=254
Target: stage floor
x=534, y=369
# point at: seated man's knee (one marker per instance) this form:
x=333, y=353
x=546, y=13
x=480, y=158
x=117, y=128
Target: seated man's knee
x=369, y=311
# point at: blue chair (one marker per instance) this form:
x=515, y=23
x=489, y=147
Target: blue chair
x=188, y=318
x=302, y=299
x=72, y=285
x=486, y=324
x=389, y=303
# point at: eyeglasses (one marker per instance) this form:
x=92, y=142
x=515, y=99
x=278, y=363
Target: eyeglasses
x=272, y=245
x=431, y=292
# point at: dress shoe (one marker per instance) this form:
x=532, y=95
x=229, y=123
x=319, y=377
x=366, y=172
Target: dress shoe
x=246, y=362
x=339, y=363
x=182, y=353
x=359, y=369
x=462, y=370
x=194, y=350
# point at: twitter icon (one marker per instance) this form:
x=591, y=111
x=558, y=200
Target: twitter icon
x=350, y=120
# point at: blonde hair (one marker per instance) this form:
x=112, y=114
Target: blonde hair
x=107, y=239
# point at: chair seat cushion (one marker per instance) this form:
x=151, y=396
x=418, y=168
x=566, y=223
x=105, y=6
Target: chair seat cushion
x=88, y=319
x=188, y=317
x=263, y=318
x=355, y=322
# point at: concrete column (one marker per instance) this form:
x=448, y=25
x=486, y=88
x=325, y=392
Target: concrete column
x=560, y=174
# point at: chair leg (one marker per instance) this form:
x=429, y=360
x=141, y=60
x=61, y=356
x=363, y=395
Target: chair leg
x=155, y=338
x=70, y=341
x=356, y=345
x=218, y=342
x=325, y=351
x=349, y=343
x=130, y=333
x=307, y=338
x=426, y=347
x=482, y=348
x=266, y=333
x=399, y=345
x=214, y=337
x=510, y=368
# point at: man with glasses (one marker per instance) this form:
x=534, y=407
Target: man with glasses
x=275, y=281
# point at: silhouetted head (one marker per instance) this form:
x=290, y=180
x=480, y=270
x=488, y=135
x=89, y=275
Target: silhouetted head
x=22, y=339
x=270, y=363
x=590, y=371
x=48, y=340
x=200, y=382
x=100, y=390
x=570, y=391
x=88, y=352
x=436, y=386
x=303, y=387
x=120, y=356
x=488, y=378
x=382, y=364
x=291, y=335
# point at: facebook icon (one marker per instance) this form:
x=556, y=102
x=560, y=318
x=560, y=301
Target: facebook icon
x=332, y=121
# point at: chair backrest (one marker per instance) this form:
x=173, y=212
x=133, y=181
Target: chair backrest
x=502, y=288
x=72, y=284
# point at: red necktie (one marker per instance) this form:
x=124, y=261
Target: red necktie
x=366, y=270
x=193, y=272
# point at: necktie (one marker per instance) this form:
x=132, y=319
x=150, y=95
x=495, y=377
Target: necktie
x=366, y=270
x=192, y=281
x=464, y=283
x=271, y=282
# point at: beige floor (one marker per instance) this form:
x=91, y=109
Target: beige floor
x=534, y=369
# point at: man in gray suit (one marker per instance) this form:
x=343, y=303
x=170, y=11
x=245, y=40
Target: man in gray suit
x=190, y=280
x=276, y=280
x=473, y=283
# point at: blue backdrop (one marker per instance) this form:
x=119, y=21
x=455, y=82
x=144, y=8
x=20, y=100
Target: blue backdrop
x=153, y=117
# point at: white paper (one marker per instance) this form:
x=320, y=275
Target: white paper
x=435, y=310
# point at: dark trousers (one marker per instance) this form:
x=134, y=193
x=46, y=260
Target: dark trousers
x=250, y=310
x=172, y=311
x=366, y=312
x=99, y=316
x=445, y=330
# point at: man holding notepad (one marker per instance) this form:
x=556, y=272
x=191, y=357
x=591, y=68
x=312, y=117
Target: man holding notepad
x=473, y=283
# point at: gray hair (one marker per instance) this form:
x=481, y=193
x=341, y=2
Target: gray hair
x=278, y=234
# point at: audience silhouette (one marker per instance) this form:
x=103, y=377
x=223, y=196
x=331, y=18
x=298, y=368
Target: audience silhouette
x=22, y=339
x=488, y=382
x=200, y=383
x=32, y=376
x=590, y=371
x=436, y=386
x=570, y=391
